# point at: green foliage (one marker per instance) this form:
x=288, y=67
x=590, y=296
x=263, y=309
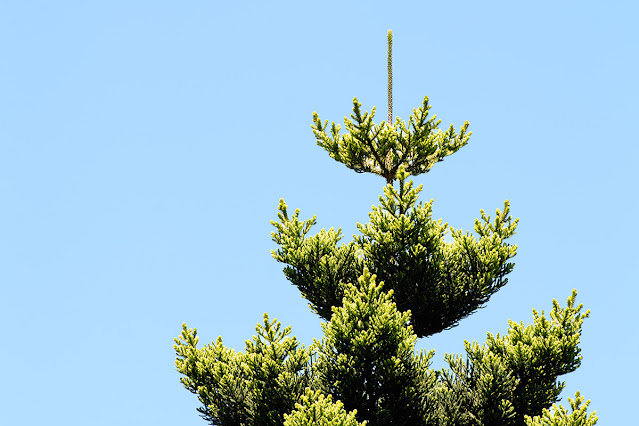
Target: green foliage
x=317, y=265
x=382, y=149
x=538, y=353
x=514, y=375
x=439, y=282
x=367, y=364
x=474, y=393
x=560, y=417
x=315, y=409
x=256, y=387
x=367, y=358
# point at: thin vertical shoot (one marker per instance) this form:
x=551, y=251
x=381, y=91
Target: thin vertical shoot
x=390, y=77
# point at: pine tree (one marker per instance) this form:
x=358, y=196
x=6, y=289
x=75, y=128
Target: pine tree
x=395, y=282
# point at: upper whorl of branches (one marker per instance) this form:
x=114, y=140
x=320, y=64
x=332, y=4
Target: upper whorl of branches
x=382, y=149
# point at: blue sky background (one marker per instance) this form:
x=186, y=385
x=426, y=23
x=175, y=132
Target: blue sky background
x=144, y=146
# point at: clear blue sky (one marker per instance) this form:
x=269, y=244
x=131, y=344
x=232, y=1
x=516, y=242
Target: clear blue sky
x=144, y=146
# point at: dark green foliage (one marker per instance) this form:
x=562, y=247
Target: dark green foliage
x=474, y=393
x=367, y=358
x=256, y=387
x=439, y=282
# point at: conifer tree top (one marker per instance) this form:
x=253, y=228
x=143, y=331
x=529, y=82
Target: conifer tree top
x=382, y=149
x=397, y=281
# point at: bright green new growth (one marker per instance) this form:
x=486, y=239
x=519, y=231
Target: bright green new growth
x=560, y=416
x=316, y=409
x=439, y=282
